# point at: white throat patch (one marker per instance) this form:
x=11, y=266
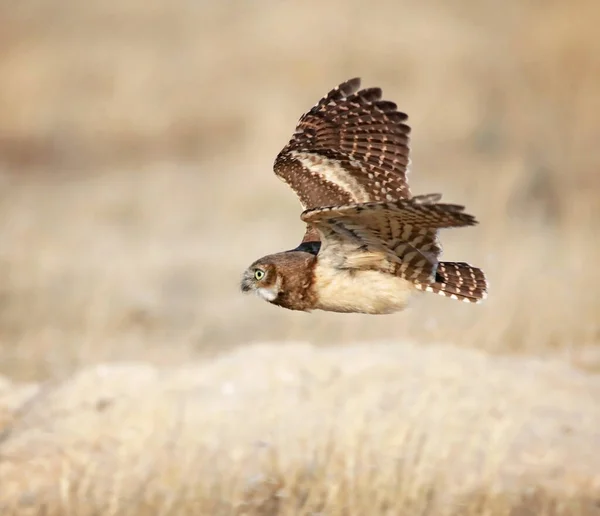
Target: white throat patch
x=268, y=294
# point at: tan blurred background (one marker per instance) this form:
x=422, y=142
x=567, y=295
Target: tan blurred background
x=136, y=146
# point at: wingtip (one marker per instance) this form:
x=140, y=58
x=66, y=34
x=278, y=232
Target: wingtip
x=350, y=86
x=470, y=220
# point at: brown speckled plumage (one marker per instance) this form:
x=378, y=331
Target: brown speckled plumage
x=369, y=243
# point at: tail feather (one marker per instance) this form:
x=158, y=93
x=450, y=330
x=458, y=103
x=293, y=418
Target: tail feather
x=458, y=280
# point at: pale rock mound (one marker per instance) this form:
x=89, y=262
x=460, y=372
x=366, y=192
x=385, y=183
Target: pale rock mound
x=279, y=424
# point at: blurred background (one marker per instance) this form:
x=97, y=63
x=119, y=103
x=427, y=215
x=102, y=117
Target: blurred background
x=136, y=148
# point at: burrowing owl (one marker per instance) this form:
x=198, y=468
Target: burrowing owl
x=369, y=243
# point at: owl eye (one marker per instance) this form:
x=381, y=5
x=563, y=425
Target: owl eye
x=259, y=274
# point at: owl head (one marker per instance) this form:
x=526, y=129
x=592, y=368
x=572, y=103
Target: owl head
x=263, y=278
x=281, y=278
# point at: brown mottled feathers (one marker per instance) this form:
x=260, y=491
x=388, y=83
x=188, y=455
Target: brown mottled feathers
x=395, y=215
x=351, y=147
x=399, y=238
x=458, y=280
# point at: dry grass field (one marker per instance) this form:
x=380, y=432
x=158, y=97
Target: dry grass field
x=136, y=145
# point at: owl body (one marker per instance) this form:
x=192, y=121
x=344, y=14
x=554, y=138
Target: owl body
x=369, y=243
x=360, y=291
x=316, y=285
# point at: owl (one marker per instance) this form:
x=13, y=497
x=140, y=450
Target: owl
x=369, y=243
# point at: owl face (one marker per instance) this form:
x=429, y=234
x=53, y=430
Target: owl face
x=262, y=277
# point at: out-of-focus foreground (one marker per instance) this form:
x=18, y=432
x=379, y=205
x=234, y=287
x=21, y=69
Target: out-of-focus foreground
x=136, y=144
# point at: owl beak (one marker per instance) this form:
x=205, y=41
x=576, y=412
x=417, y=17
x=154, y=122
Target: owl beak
x=246, y=284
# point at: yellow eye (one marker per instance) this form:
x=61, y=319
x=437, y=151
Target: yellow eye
x=259, y=274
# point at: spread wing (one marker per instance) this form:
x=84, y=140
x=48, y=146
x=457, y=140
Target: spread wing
x=397, y=237
x=351, y=147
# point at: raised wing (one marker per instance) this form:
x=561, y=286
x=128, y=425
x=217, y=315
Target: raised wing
x=399, y=237
x=351, y=147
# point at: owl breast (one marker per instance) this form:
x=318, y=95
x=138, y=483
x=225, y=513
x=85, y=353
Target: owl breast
x=363, y=291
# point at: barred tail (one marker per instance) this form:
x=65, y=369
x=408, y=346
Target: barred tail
x=458, y=280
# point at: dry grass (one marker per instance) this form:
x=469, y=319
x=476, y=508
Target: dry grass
x=136, y=141
x=294, y=429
